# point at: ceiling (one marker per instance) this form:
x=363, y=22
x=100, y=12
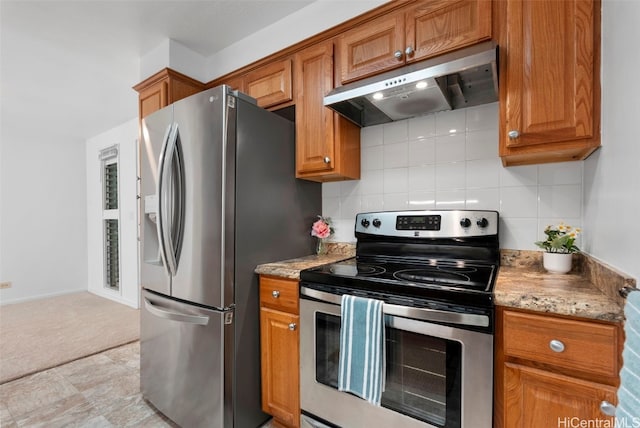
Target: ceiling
x=67, y=67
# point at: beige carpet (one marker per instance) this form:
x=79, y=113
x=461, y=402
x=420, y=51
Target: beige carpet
x=41, y=334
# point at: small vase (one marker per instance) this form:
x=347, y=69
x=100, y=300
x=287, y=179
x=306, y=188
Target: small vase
x=557, y=262
x=321, y=247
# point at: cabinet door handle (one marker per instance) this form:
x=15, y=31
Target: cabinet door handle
x=327, y=159
x=409, y=51
x=398, y=54
x=275, y=294
x=292, y=326
x=556, y=346
x=513, y=134
x=608, y=408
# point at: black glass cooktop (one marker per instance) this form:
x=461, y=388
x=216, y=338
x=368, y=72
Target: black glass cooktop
x=452, y=281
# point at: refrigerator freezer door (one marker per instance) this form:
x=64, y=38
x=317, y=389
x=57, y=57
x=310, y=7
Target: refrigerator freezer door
x=182, y=362
x=201, y=123
x=155, y=132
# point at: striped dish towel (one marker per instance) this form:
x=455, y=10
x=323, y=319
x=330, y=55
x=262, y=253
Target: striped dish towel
x=362, y=355
x=628, y=409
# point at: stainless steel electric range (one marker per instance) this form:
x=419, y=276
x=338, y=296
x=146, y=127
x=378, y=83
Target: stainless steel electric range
x=435, y=272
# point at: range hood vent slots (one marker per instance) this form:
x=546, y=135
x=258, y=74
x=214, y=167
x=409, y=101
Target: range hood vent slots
x=465, y=78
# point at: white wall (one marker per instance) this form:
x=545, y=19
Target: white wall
x=449, y=160
x=309, y=21
x=125, y=137
x=42, y=218
x=612, y=175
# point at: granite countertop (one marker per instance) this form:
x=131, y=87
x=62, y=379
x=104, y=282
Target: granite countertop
x=291, y=268
x=562, y=294
x=590, y=290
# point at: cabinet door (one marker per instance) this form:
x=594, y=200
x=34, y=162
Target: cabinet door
x=372, y=48
x=153, y=98
x=535, y=398
x=280, y=343
x=440, y=26
x=327, y=145
x=163, y=88
x=271, y=84
x=314, y=130
x=550, y=79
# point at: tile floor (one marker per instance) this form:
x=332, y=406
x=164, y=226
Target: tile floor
x=102, y=390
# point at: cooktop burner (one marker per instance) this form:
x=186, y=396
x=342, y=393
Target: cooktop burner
x=445, y=276
x=361, y=269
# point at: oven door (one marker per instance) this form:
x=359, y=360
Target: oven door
x=436, y=375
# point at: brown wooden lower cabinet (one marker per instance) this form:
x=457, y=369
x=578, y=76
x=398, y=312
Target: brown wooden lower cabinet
x=280, y=355
x=537, y=398
x=554, y=371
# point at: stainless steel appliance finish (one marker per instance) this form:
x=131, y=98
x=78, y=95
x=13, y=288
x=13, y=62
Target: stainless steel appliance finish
x=216, y=172
x=434, y=272
x=347, y=410
x=463, y=78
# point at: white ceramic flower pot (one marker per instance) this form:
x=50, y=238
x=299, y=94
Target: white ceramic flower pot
x=557, y=262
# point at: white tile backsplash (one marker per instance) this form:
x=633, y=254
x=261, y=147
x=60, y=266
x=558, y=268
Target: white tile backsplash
x=450, y=176
x=371, y=158
x=396, y=155
x=451, y=122
x=422, y=178
x=422, y=127
x=450, y=148
x=422, y=151
x=449, y=160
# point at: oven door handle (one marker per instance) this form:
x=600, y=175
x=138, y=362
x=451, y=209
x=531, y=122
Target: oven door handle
x=423, y=314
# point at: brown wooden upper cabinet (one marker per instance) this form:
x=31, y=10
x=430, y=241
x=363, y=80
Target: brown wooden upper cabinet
x=163, y=88
x=422, y=30
x=271, y=84
x=327, y=145
x=549, y=83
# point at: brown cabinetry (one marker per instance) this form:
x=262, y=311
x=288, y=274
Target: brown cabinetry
x=552, y=369
x=163, y=88
x=549, y=80
x=280, y=344
x=327, y=145
x=271, y=84
x=419, y=31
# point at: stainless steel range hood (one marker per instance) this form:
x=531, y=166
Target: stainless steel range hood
x=464, y=78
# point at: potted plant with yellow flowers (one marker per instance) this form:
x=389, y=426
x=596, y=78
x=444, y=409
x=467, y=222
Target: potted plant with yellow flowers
x=559, y=247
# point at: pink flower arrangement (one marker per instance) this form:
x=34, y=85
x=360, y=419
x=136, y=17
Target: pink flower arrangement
x=321, y=228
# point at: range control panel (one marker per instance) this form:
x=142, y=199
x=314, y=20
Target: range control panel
x=429, y=224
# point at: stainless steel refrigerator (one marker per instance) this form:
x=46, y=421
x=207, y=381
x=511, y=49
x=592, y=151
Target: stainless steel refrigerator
x=218, y=196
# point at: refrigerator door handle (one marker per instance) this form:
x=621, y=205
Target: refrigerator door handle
x=160, y=189
x=175, y=316
x=166, y=206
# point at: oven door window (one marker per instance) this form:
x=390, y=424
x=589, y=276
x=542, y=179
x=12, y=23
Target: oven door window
x=423, y=373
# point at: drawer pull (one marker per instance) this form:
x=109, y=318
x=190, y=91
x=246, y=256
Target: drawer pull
x=293, y=326
x=275, y=294
x=556, y=345
x=608, y=408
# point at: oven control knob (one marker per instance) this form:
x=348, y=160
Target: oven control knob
x=465, y=222
x=483, y=222
x=376, y=222
x=364, y=222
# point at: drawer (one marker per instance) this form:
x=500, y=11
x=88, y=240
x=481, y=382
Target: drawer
x=571, y=344
x=279, y=294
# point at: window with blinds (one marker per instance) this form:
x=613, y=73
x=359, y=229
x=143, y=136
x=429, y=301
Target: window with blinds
x=110, y=218
x=111, y=186
x=111, y=255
